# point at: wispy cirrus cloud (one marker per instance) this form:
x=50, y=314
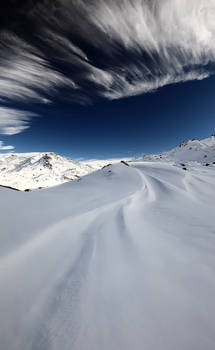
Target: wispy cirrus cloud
x=166, y=41
x=77, y=51
x=13, y=121
x=112, y=45
x=5, y=148
x=25, y=74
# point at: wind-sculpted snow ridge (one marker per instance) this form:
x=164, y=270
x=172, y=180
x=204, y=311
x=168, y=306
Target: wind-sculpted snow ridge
x=202, y=151
x=123, y=258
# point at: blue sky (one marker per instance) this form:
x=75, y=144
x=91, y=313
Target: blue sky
x=153, y=122
x=105, y=79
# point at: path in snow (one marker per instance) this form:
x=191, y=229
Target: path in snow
x=123, y=259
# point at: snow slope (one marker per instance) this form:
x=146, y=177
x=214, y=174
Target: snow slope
x=202, y=151
x=123, y=258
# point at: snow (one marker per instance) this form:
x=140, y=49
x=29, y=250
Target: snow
x=202, y=151
x=34, y=170
x=123, y=258
x=43, y=169
x=98, y=164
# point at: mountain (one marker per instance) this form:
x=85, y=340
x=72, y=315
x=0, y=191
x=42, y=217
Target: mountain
x=202, y=151
x=34, y=170
x=38, y=170
x=25, y=171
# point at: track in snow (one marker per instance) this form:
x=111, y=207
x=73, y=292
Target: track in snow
x=127, y=261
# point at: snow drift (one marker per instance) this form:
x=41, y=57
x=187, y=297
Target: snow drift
x=123, y=258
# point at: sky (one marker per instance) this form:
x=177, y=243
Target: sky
x=104, y=78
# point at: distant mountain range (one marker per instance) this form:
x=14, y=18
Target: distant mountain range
x=202, y=151
x=34, y=170
x=25, y=171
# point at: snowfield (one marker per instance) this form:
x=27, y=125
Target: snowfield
x=123, y=258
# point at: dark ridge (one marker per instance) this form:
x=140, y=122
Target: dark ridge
x=10, y=188
x=124, y=162
x=106, y=166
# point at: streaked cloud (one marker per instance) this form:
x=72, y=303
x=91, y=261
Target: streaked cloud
x=78, y=51
x=167, y=41
x=5, y=148
x=13, y=121
x=25, y=74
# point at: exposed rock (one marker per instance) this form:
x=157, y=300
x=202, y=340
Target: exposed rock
x=124, y=162
x=106, y=166
x=185, y=142
x=11, y=188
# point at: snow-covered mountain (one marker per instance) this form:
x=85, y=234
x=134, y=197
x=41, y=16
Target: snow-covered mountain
x=202, y=151
x=24, y=171
x=38, y=170
x=34, y=170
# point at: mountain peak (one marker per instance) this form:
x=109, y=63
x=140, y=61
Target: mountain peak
x=39, y=169
x=191, y=150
